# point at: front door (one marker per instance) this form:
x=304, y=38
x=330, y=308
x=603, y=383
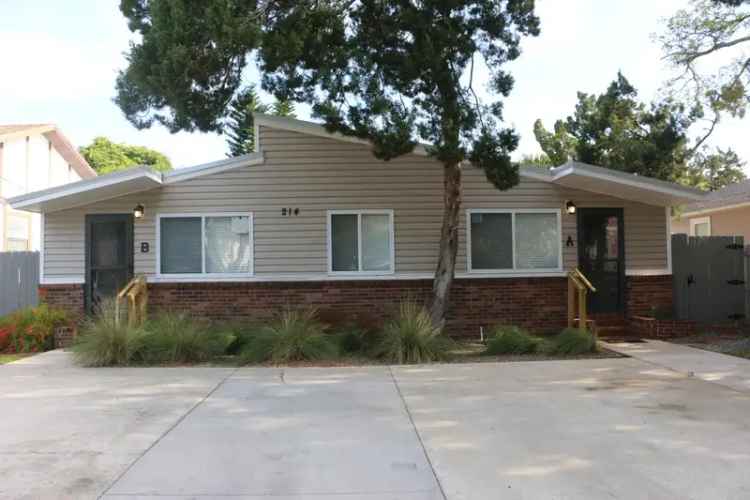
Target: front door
x=109, y=256
x=601, y=257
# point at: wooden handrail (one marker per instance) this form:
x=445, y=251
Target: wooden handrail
x=578, y=287
x=136, y=293
x=578, y=274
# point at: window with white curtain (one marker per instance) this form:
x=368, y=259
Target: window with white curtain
x=206, y=244
x=360, y=241
x=514, y=240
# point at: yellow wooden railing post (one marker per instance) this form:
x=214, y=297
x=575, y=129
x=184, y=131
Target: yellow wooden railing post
x=578, y=287
x=136, y=293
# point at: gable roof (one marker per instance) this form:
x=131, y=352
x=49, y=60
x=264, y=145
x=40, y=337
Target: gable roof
x=733, y=196
x=574, y=175
x=58, y=140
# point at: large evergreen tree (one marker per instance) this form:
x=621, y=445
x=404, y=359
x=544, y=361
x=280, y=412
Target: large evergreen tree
x=393, y=72
x=615, y=130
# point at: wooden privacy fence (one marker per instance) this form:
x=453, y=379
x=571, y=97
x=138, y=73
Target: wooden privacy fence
x=19, y=280
x=710, y=278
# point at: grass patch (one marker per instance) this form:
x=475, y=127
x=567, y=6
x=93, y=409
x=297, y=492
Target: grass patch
x=511, y=340
x=571, y=342
x=9, y=358
x=412, y=338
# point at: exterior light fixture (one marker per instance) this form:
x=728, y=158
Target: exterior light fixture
x=570, y=207
x=138, y=211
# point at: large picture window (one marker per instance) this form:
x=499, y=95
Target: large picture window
x=513, y=240
x=360, y=241
x=205, y=244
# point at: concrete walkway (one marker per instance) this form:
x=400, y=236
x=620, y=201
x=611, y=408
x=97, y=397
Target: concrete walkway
x=585, y=429
x=722, y=369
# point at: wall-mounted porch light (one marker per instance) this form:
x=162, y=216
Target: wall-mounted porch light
x=138, y=211
x=570, y=207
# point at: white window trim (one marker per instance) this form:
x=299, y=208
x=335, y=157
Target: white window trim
x=700, y=220
x=359, y=214
x=515, y=271
x=203, y=276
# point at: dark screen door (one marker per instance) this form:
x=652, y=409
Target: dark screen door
x=601, y=256
x=109, y=256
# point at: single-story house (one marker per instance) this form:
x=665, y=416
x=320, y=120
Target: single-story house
x=724, y=212
x=314, y=218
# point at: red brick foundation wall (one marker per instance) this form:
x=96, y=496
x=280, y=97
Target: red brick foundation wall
x=535, y=303
x=66, y=297
x=647, y=292
x=538, y=304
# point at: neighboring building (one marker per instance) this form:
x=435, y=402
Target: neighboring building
x=313, y=218
x=725, y=212
x=33, y=157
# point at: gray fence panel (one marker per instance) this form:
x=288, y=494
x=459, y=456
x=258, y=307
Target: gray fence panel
x=709, y=277
x=19, y=280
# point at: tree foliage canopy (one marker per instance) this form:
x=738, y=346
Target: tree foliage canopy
x=393, y=72
x=616, y=130
x=708, y=44
x=106, y=156
x=713, y=171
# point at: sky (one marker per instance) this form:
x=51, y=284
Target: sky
x=60, y=61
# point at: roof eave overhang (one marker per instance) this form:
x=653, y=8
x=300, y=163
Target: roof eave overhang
x=122, y=183
x=625, y=186
x=88, y=191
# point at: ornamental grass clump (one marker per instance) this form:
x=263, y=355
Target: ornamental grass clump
x=572, y=341
x=103, y=342
x=175, y=337
x=511, y=340
x=295, y=335
x=412, y=338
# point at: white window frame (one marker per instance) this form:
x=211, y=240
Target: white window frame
x=203, y=275
x=359, y=213
x=513, y=211
x=700, y=220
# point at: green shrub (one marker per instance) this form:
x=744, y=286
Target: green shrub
x=412, y=338
x=241, y=335
x=354, y=340
x=296, y=335
x=175, y=337
x=572, y=341
x=511, y=340
x=101, y=342
x=31, y=329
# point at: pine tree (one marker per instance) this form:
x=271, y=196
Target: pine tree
x=240, y=123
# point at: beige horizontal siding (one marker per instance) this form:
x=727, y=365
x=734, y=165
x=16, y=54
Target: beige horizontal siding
x=317, y=174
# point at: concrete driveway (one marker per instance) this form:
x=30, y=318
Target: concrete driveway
x=607, y=428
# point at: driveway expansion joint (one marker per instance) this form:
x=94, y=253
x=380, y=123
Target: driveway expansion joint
x=416, y=432
x=168, y=430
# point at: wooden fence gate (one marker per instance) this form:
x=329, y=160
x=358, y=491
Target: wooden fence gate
x=19, y=280
x=709, y=278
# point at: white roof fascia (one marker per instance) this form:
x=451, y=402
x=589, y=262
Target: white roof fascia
x=646, y=183
x=183, y=174
x=84, y=186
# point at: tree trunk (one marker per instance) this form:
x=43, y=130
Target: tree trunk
x=446, y=265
